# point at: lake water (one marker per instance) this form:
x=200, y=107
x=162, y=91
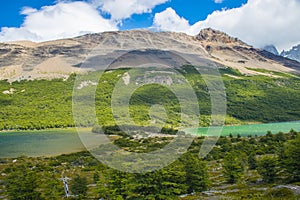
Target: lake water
x=251, y=129
x=39, y=143
x=56, y=142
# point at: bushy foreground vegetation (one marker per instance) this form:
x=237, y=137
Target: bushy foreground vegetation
x=237, y=168
x=42, y=104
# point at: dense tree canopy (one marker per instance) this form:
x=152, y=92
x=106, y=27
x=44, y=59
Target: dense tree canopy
x=41, y=104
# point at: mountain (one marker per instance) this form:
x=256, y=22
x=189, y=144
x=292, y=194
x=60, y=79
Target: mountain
x=272, y=49
x=58, y=59
x=293, y=54
x=232, y=52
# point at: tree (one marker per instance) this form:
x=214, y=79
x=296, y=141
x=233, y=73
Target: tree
x=114, y=184
x=197, y=178
x=96, y=177
x=280, y=137
x=53, y=187
x=166, y=183
x=291, y=159
x=79, y=186
x=103, y=189
x=267, y=167
x=252, y=161
x=22, y=184
x=233, y=167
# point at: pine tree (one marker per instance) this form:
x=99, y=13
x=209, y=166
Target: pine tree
x=267, y=167
x=197, y=177
x=252, y=161
x=22, y=184
x=79, y=186
x=291, y=159
x=233, y=167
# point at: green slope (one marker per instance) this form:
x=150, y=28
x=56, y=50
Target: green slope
x=41, y=104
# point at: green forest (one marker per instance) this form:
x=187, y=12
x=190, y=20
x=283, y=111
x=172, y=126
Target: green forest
x=237, y=168
x=42, y=104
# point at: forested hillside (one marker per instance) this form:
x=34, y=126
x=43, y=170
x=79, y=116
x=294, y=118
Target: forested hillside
x=41, y=104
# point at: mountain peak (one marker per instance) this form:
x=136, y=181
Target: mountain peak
x=211, y=35
x=57, y=59
x=272, y=49
x=293, y=53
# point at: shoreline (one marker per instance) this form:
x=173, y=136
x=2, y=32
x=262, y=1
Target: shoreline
x=40, y=130
x=68, y=128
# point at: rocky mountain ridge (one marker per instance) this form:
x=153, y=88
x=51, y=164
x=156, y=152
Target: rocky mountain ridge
x=272, y=49
x=293, y=53
x=58, y=59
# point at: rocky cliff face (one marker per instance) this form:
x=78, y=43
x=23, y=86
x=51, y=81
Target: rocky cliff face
x=272, y=49
x=293, y=54
x=58, y=59
x=230, y=51
x=215, y=36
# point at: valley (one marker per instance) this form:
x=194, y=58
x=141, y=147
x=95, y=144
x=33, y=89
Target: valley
x=46, y=93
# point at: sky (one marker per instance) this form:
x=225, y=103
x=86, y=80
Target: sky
x=257, y=22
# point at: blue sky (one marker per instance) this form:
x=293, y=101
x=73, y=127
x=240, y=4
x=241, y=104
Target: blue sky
x=10, y=10
x=193, y=10
x=257, y=22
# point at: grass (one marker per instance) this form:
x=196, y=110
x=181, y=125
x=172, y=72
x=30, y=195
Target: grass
x=280, y=74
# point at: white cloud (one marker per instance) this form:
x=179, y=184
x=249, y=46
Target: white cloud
x=259, y=22
x=218, y=1
x=70, y=19
x=28, y=10
x=168, y=20
x=58, y=21
x=122, y=9
x=14, y=34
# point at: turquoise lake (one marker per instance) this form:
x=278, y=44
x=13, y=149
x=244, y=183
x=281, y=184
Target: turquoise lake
x=251, y=129
x=63, y=141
